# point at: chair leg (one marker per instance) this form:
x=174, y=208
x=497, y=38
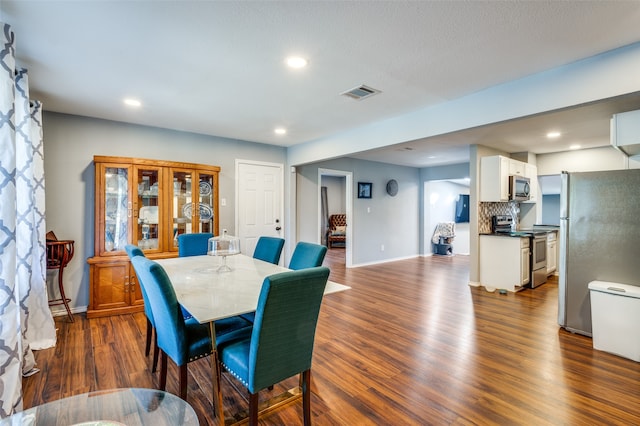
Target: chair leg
x=253, y=409
x=147, y=346
x=156, y=351
x=183, y=381
x=306, y=396
x=163, y=371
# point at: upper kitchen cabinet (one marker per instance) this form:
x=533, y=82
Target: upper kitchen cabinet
x=147, y=203
x=625, y=132
x=494, y=177
x=517, y=168
x=531, y=172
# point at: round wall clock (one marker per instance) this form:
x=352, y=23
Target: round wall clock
x=392, y=187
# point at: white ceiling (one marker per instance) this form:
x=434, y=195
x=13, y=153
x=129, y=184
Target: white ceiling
x=217, y=67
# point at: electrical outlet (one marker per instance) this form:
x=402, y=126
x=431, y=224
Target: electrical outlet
x=223, y=202
x=382, y=247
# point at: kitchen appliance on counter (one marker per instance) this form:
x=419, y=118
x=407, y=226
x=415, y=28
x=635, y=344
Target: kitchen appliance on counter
x=599, y=239
x=503, y=224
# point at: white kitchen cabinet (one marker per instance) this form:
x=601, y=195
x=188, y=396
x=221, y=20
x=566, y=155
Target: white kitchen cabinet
x=494, y=178
x=517, y=168
x=552, y=253
x=531, y=172
x=504, y=262
x=625, y=132
x=525, y=262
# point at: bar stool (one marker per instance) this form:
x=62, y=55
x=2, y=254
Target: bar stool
x=59, y=253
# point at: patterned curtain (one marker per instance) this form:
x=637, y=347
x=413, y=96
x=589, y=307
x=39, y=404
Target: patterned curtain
x=25, y=318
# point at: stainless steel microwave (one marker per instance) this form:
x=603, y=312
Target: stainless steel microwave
x=519, y=188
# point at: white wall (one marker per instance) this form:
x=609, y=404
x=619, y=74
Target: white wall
x=70, y=142
x=440, y=206
x=335, y=193
x=583, y=160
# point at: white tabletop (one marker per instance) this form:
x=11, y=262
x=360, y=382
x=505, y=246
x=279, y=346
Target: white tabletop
x=210, y=295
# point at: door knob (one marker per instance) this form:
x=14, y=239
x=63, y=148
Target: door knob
x=278, y=228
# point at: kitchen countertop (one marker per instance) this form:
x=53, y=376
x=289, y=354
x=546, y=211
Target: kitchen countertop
x=518, y=234
x=548, y=228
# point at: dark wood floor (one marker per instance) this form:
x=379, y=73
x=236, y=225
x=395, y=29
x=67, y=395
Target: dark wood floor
x=410, y=344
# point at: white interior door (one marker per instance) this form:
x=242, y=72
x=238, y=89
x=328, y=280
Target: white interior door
x=259, y=202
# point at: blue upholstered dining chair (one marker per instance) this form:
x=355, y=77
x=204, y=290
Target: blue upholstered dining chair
x=307, y=255
x=134, y=251
x=281, y=343
x=269, y=249
x=181, y=340
x=193, y=244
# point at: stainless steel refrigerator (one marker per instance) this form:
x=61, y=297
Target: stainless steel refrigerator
x=599, y=239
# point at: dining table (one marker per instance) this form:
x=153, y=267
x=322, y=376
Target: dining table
x=211, y=293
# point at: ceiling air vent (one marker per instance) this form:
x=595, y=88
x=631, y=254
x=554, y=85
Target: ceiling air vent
x=361, y=92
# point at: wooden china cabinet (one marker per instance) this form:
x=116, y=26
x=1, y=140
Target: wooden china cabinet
x=147, y=203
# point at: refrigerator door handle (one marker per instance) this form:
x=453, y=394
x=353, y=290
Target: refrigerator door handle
x=562, y=261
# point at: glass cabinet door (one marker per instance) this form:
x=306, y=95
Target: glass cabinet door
x=117, y=208
x=183, y=211
x=206, y=203
x=148, y=187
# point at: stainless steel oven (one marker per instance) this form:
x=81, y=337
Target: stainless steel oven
x=538, y=259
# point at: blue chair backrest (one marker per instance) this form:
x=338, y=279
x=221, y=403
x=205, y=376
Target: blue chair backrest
x=170, y=327
x=193, y=244
x=134, y=251
x=269, y=249
x=307, y=255
x=285, y=325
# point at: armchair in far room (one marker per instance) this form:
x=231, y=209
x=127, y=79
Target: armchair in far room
x=337, y=232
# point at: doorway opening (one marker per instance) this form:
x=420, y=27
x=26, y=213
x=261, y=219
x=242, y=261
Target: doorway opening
x=335, y=198
x=440, y=205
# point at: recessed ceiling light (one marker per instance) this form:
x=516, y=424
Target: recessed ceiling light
x=553, y=135
x=280, y=131
x=296, y=62
x=576, y=146
x=132, y=102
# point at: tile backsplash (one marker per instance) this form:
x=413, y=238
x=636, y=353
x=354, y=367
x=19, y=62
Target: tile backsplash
x=486, y=210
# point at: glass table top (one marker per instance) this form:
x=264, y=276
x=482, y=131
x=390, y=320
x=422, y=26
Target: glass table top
x=115, y=407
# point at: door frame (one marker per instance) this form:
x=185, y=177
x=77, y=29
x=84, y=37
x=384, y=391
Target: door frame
x=348, y=205
x=279, y=166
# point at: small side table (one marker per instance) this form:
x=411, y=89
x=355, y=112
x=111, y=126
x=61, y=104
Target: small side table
x=59, y=253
